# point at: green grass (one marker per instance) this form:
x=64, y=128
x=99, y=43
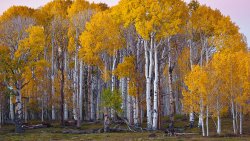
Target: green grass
x=55, y=133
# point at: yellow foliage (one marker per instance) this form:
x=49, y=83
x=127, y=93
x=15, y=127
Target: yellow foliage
x=32, y=46
x=163, y=17
x=16, y=11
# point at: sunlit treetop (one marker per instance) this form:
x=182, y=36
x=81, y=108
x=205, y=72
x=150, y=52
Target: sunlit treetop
x=78, y=6
x=102, y=35
x=204, y=20
x=161, y=17
x=55, y=8
x=16, y=11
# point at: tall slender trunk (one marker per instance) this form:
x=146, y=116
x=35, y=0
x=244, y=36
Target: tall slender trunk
x=62, y=93
x=129, y=104
x=135, y=111
x=75, y=94
x=53, y=112
x=191, y=66
x=124, y=95
x=156, y=81
x=202, y=121
x=148, y=75
x=89, y=92
x=233, y=114
x=98, y=107
x=218, y=118
x=201, y=64
x=236, y=118
x=241, y=120
x=66, y=73
x=18, y=117
x=207, y=117
x=66, y=111
x=113, y=83
x=11, y=109
x=93, y=101
x=80, y=90
x=170, y=81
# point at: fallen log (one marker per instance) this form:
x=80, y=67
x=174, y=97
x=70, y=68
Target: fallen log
x=34, y=126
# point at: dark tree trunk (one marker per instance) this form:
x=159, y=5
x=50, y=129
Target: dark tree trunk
x=62, y=92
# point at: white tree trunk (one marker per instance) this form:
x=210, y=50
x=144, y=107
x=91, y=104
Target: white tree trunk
x=191, y=115
x=207, y=122
x=202, y=121
x=80, y=90
x=218, y=123
x=92, y=108
x=236, y=118
x=129, y=104
x=75, y=94
x=134, y=110
x=155, y=109
x=241, y=120
x=233, y=114
x=11, y=109
x=218, y=118
x=148, y=75
x=98, y=107
x=66, y=111
x=19, y=105
x=113, y=83
x=53, y=111
x=124, y=95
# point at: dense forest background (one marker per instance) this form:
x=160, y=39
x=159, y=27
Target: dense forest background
x=139, y=61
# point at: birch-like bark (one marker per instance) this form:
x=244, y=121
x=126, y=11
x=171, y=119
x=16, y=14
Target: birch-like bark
x=191, y=115
x=124, y=95
x=135, y=119
x=233, y=114
x=201, y=63
x=170, y=81
x=80, y=90
x=18, y=117
x=202, y=121
x=53, y=112
x=218, y=118
x=148, y=75
x=98, y=106
x=113, y=83
x=236, y=118
x=89, y=92
x=11, y=109
x=207, y=127
x=156, y=81
x=241, y=120
x=65, y=103
x=75, y=86
x=62, y=83
x=129, y=104
x=93, y=100
x=66, y=111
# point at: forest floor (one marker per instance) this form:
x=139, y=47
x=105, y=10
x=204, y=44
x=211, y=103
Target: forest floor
x=55, y=133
